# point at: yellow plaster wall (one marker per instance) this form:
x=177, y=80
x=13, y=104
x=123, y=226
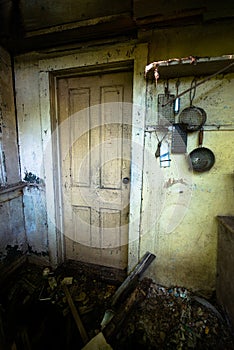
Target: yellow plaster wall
x=179, y=206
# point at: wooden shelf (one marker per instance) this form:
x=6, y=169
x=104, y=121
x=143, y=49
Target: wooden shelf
x=11, y=192
x=201, y=67
x=206, y=127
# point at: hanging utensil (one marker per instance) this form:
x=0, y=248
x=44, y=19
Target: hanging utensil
x=177, y=99
x=192, y=118
x=166, y=110
x=158, y=150
x=179, y=139
x=157, y=153
x=201, y=159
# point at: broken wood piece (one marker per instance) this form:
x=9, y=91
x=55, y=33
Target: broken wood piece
x=67, y=280
x=13, y=346
x=100, y=341
x=97, y=343
x=127, y=286
x=117, y=321
x=130, y=282
x=75, y=315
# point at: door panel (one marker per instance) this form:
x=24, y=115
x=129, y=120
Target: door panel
x=94, y=118
x=80, y=164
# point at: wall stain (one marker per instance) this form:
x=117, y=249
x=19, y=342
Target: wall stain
x=172, y=182
x=42, y=253
x=32, y=178
x=12, y=252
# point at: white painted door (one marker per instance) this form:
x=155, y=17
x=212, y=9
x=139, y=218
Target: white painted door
x=94, y=118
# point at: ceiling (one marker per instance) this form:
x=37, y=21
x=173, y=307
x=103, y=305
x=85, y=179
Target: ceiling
x=27, y=25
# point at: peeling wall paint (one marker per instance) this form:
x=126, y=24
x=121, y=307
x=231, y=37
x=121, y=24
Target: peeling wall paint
x=30, y=145
x=36, y=219
x=8, y=122
x=12, y=230
x=178, y=208
x=35, y=144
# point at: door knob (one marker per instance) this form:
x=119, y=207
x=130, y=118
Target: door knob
x=126, y=180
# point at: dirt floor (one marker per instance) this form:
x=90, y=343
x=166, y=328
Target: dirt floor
x=34, y=313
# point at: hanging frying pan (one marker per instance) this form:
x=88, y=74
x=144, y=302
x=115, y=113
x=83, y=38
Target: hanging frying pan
x=201, y=159
x=192, y=118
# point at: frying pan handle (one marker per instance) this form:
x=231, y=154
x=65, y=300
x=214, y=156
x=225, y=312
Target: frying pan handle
x=200, y=137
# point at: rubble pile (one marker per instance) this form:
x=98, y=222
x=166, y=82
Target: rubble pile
x=175, y=318
x=35, y=313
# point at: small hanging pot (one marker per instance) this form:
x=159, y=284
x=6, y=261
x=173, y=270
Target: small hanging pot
x=192, y=118
x=201, y=159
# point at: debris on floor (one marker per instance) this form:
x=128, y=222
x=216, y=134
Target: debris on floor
x=64, y=309
x=174, y=318
x=98, y=343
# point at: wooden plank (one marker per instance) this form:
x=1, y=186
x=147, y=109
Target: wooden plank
x=97, y=343
x=6, y=196
x=132, y=278
x=112, y=329
x=76, y=316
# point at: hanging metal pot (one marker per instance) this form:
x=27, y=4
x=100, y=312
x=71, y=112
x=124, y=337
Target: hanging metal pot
x=201, y=159
x=192, y=118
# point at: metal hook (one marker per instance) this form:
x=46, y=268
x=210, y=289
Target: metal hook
x=192, y=91
x=166, y=87
x=177, y=84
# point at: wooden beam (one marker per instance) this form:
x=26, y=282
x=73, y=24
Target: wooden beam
x=74, y=25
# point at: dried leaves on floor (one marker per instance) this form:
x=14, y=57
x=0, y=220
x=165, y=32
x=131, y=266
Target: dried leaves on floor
x=166, y=318
x=174, y=318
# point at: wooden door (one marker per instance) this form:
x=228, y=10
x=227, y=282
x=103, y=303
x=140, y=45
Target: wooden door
x=94, y=118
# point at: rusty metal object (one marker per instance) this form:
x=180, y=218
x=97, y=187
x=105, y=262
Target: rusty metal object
x=192, y=118
x=165, y=111
x=201, y=158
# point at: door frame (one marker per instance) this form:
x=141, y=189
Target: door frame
x=81, y=61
